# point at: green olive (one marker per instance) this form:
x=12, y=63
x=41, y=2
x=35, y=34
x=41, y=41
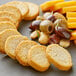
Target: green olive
x=59, y=16
x=46, y=26
x=61, y=22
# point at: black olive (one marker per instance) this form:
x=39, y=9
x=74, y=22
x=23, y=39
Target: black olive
x=54, y=39
x=51, y=18
x=62, y=32
x=35, y=25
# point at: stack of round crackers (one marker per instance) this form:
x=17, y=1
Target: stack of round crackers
x=25, y=51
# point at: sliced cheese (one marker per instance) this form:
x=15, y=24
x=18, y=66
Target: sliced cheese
x=71, y=14
x=72, y=19
x=46, y=6
x=64, y=4
x=72, y=25
x=68, y=9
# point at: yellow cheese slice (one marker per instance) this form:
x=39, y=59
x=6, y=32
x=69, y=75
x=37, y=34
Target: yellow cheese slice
x=72, y=19
x=70, y=14
x=72, y=25
x=64, y=4
x=46, y=6
x=68, y=9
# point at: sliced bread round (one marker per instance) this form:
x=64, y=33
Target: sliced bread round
x=37, y=58
x=13, y=10
x=33, y=11
x=11, y=44
x=5, y=14
x=6, y=25
x=22, y=51
x=21, y=6
x=6, y=19
x=3, y=37
x=59, y=56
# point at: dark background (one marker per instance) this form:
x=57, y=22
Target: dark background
x=9, y=67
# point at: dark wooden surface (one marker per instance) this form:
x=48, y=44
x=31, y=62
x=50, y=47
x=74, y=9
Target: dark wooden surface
x=9, y=67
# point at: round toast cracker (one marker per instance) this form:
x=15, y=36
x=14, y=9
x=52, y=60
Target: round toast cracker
x=59, y=57
x=6, y=25
x=22, y=51
x=3, y=37
x=37, y=58
x=11, y=44
x=11, y=16
x=33, y=11
x=6, y=20
x=13, y=10
x=21, y=6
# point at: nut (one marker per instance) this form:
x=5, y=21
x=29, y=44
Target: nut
x=35, y=34
x=40, y=18
x=43, y=39
x=64, y=43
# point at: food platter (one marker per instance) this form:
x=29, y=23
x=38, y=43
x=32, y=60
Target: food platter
x=11, y=67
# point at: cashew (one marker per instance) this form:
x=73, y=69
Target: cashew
x=35, y=34
x=44, y=38
x=59, y=16
x=64, y=43
x=40, y=18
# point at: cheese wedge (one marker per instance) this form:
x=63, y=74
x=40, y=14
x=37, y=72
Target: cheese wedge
x=70, y=14
x=64, y=4
x=49, y=4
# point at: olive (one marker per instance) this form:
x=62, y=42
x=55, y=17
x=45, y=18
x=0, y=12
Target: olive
x=59, y=16
x=62, y=32
x=46, y=26
x=51, y=18
x=54, y=39
x=61, y=22
x=46, y=14
x=35, y=25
